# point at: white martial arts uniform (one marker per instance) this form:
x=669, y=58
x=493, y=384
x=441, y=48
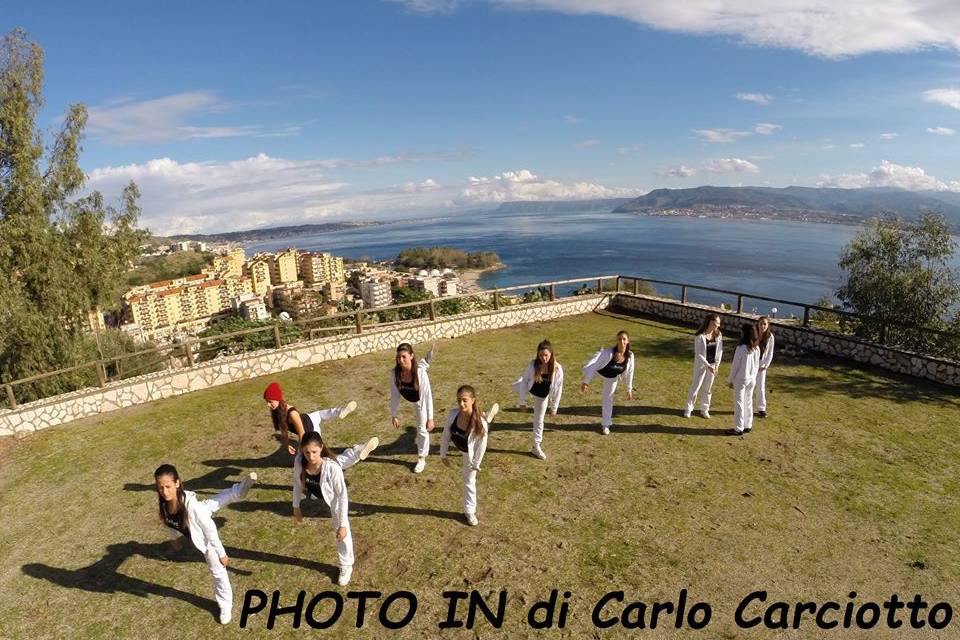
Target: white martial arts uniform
x=743, y=377
x=599, y=360
x=525, y=383
x=702, y=375
x=424, y=405
x=334, y=492
x=350, y=456
x=203, y=534
x=472, y=457
x=760, y=393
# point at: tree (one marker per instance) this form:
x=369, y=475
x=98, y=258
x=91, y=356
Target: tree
x=898, y=272
x=59, y=259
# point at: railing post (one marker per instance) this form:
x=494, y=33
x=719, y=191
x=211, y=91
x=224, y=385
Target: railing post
x=433, y=310
x=359, y=321
x=12, y=399
x=636, y=287
x=101, y=373
x=600, y=285
x=739, y=304
x=170, y=361
x=618, y=284
x=276, y=336
x=188, y=351
x=806, y=316
x=683, y=294
x=553, y=292
x=883, y=333
x=496, y=300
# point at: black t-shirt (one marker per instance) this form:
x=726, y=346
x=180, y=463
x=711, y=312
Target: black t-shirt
x=304, y=419
x=176, y=521
x=312, y=484
x=712, y=351
x=458, y=436
x=409, y=391
x=613, y=369
x=541, y=389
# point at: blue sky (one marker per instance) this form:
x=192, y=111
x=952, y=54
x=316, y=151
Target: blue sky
x=238, y=115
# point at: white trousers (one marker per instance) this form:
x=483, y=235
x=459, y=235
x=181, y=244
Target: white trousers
x=222, y=590
x=760, y=393
x=469, y=477
x=344, y=547
x=423, y=436
x=609, y=388
x=349, y=457
x=702, y=381
x=539, y=411
x=743, y=406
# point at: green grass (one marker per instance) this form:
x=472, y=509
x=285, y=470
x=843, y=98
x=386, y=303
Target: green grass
x=851, y=484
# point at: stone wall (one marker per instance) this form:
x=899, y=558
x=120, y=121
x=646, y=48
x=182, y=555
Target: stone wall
x=80, y=404
x=804, y=338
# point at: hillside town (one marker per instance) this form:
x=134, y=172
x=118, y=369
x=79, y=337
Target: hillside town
x=290, y=285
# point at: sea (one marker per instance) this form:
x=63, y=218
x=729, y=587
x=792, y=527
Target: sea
x=786, y=260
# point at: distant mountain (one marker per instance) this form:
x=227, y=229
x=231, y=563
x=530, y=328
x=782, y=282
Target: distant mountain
x=561, y=206
x=801, y=202
x=272, y=233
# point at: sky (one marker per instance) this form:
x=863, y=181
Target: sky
x=241, y=115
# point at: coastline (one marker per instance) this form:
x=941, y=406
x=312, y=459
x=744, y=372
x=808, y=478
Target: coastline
x=469, y=278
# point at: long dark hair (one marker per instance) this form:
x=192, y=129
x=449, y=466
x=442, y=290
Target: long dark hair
x=476, y=418
x=626, y=352
x=538, y=371
x=748, y=335
x=408, y=348
x=705, y=323
x=280, y=417
x=314, y=437
x=170, y=470
x=764, y=337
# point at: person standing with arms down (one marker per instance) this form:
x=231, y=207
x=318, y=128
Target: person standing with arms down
x=707, y=351
x=543, y=378
x=315, y=470
x=766, y=357
x=743, y=377
x=611, y=364
x=409, y=380
x=181, y=511
x=468, y=428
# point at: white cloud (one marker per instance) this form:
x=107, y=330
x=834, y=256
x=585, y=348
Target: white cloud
x=165, y=119
x=207, y=197
x=730, y=165
x=719, y=136
x=586, y=144
x=678, y=171
x=889, y=136
x=429, y=6
x=756, y=98
x=766, y=128
x=947, y=97
x=941, y=131
x=633, y=148
x=830, y=30
x=569, y=119
x=888, y=174
x=857, y=145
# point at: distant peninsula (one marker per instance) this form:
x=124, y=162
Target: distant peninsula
x=271, y=233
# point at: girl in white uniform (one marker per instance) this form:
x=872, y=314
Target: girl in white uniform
x=409, y=380
x=316, y=471
x=743, y=377
x=543, y=378
x=612, y=364
x=766, y=357
x=467, y=428
x=182, y=512
x=286, y=419
x=707, y=351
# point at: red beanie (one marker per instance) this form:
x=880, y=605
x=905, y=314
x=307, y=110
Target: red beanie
x=273, y=392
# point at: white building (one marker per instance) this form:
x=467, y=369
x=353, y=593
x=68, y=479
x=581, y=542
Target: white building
x=375, y=293
x=426, y=283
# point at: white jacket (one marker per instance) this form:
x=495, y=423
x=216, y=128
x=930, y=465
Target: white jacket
x=700, y=350
x=199, y=521
x=767, y=357
x=600, y=359
x=525, y=382
x=426, y=396
x=332, y=486
x=476, y=446
x=746, y=363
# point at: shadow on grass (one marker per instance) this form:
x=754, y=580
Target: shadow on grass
x=103, y=576
x=216, y=480
x=318, y=508
x=648, y=428
x=622, y=410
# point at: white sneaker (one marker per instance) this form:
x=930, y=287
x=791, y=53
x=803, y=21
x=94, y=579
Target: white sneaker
x=538, y=452
x=492, y=413
x=705, y=413
x=686, y=413
x=420, y=466
x=225, y=616
x=347, y=410
x=471, y=519
x=368, y=448
x=247, y=482
x=605, y=431
x=345, y=573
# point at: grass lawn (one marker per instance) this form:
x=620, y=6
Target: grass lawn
x=851, y=484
